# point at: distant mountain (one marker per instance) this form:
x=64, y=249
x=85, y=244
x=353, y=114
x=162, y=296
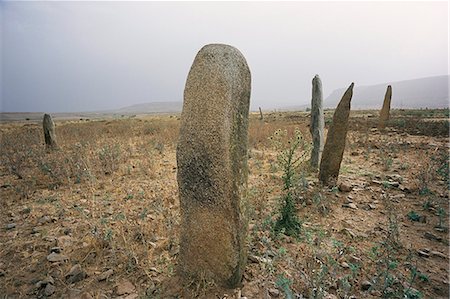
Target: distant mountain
x=429, y=92
x=154, y=107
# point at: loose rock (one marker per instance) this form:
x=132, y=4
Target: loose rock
x=10, y=225
x=56, y=257
x=366, y=285
x=345, y=187
x=125, y=287
x=49, y=289
x=75, y=274
x=274, y=292
x=105, y=275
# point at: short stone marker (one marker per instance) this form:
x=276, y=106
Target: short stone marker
x=212, y=166
x=317, y=122
x=49, y=132
x=334, y=146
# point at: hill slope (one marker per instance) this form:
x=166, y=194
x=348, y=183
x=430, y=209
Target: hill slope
x=153, y=107
x=429, y=92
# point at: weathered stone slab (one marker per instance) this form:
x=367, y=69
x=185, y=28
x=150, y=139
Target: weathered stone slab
x=334, y=146
x=212, y=166
x=317, y=122
x=49, y=132
x=385, y=110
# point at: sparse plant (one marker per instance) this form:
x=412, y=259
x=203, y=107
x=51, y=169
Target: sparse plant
x=413, y=216
x=284, y=284
x=291, y=154
x=109, y=156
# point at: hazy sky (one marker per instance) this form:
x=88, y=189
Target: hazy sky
x=83, y=56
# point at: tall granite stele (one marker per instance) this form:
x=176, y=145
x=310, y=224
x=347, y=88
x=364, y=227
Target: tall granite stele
x=385, y=110
x=317, y=122
x=335, y=144
x=212, y=166
x=49, y=132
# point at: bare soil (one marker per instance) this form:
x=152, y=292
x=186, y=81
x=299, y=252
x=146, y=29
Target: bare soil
x=99, y=218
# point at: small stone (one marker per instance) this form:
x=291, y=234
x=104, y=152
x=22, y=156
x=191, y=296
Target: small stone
x=376, y=293
x=330, y=296
x=438, y=254
x=258, y=259
x=350, y=205
x=124, y=287
x=372, y=206
x=49, y=289
x=2, y=272
x=365, y=285
x=55, y=249
x=423, y=253
x=345, y=265
x=345, y=187
x=432, y=237
x=10, y=225
x=105, y=275
x=274, y=292
x=44, y=220
x=75, y=274
x=131, y=296
x=48, y=280
x=56, y=257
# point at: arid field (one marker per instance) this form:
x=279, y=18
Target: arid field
x=99, y=217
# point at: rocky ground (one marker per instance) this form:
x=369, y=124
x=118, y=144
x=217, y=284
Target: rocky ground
x=99, y=218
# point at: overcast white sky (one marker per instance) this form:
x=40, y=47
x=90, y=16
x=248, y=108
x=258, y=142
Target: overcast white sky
x=83, y=56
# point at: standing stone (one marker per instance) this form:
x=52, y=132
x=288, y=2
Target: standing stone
x=385, y=110
x=212, y=166
x=49, y=132
x=317, y=122
x=261, y=117
x=335, y=144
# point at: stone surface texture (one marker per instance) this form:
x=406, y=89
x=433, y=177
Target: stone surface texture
x=334, y=146
x=49, y=132
x=385, y=110
x=317, y=122
x=212, y=166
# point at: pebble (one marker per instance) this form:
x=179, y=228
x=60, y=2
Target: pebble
x=10, y=225
x=105, y=275
x=49, y=290
x=350, y=205
x=423, y=253
x=44, y=220
x=365, y=285
x=124, y=287
x=345, y=265
x=75, y=274
x=274, y=292
x=2, y=272
x=432, y=237
x=258, y=259
x=438, y=254
x=345, y=187
x=55, y=249
x=56, y=257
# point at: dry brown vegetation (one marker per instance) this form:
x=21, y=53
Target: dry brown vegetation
x=107, y=200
